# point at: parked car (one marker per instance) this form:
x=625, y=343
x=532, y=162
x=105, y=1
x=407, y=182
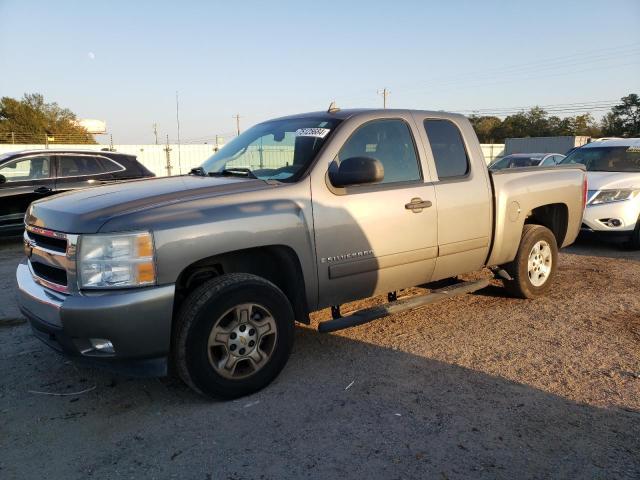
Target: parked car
x=518, y=160
x=209, y=271
x=613, y=204
x=30, y=175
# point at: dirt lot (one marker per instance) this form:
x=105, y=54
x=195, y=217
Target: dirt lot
x=476, y=387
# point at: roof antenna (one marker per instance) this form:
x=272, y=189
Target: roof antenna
x=333, y=107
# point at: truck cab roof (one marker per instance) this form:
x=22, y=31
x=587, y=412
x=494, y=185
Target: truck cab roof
x=344, y=114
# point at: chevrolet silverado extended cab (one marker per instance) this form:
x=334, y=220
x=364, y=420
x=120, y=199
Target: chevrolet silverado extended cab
x=209, y=271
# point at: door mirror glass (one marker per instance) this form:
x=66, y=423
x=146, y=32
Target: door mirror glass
x=356, y=171
x=3, y=179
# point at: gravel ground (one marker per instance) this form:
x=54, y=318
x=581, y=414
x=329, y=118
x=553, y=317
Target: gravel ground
x=480, y=386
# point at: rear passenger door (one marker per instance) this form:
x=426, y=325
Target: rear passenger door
x=74, y=171
x=462, y=194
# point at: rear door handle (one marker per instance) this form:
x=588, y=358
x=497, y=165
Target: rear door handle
x=417, y=204
x=42, y=190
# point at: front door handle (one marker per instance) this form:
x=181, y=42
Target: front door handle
x=417, y=204
x=42, y=190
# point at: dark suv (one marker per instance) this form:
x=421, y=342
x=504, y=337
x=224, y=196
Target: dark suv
x=29, y=175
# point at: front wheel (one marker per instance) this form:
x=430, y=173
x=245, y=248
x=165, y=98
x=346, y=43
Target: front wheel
x=233, y=335
x=535, y=265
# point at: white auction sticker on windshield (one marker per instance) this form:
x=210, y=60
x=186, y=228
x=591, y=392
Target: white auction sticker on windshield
x=312, y=132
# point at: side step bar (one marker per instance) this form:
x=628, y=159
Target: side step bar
x=402, y=305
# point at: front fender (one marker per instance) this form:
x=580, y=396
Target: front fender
x=185, y=233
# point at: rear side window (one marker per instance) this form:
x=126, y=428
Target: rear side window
x=448, y=148
x=77, y=165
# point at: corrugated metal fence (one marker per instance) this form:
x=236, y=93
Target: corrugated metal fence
x=180, y=159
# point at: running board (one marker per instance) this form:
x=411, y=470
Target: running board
x=369, y=314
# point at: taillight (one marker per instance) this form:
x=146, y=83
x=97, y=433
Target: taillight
x=585, y=187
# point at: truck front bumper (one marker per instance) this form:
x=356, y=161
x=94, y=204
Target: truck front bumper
x=137, y=323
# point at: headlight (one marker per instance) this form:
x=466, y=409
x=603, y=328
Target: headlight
x=116, y=260
x=609, y=196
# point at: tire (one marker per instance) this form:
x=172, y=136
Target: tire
x=533, y=279
x=203, y=353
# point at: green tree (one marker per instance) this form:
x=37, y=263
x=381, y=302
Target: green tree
x=533, y=123
x=485, y=127
x=31, y=119
x=624, y=119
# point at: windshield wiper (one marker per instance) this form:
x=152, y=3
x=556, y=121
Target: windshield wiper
x=198, y=171
x=234, y=172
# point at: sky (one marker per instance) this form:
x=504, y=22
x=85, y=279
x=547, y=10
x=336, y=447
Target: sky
x=124, y=61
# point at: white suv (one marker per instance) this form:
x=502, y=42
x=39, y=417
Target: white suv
x=613, y=201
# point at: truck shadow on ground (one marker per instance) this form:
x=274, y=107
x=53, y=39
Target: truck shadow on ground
x=341, y=408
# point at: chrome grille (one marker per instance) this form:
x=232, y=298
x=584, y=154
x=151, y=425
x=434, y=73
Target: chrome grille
x=51, y=257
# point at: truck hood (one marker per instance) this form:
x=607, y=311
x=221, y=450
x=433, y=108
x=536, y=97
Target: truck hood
x=85, y=211
x=612, y=180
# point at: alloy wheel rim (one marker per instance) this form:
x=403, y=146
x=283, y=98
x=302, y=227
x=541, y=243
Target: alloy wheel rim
x=540, y=263
x=242, y=341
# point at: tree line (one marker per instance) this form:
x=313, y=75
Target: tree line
x=32, y=120
x=622, y=121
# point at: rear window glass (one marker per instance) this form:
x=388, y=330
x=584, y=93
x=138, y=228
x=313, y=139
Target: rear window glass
x=448, y=148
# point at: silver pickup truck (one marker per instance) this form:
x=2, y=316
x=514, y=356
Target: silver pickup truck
x=208, y=272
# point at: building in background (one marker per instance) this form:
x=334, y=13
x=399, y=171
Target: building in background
x=93, y=126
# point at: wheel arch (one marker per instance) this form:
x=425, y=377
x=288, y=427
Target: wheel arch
x=554, y=216
x=277, y=263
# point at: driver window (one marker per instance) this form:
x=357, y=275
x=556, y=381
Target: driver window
x=32, y=168
x=388, y=141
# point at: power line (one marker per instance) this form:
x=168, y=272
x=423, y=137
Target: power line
x=593, y=57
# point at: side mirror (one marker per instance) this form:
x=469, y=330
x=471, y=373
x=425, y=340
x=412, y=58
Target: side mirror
x=3, y=179
x=356, y=171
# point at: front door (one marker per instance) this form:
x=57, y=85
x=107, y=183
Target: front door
x=373, y=239
x=25, y=179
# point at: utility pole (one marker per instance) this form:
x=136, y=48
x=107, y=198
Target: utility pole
x=237, y=117
x=167, y=149
x=385, y=93
x=155, y=132
x=178, y=123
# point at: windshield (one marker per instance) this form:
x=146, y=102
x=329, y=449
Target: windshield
x=274, y=150
x=606, y=159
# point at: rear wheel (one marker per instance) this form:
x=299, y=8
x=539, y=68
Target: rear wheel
x=233, y=335
x=535, y=265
